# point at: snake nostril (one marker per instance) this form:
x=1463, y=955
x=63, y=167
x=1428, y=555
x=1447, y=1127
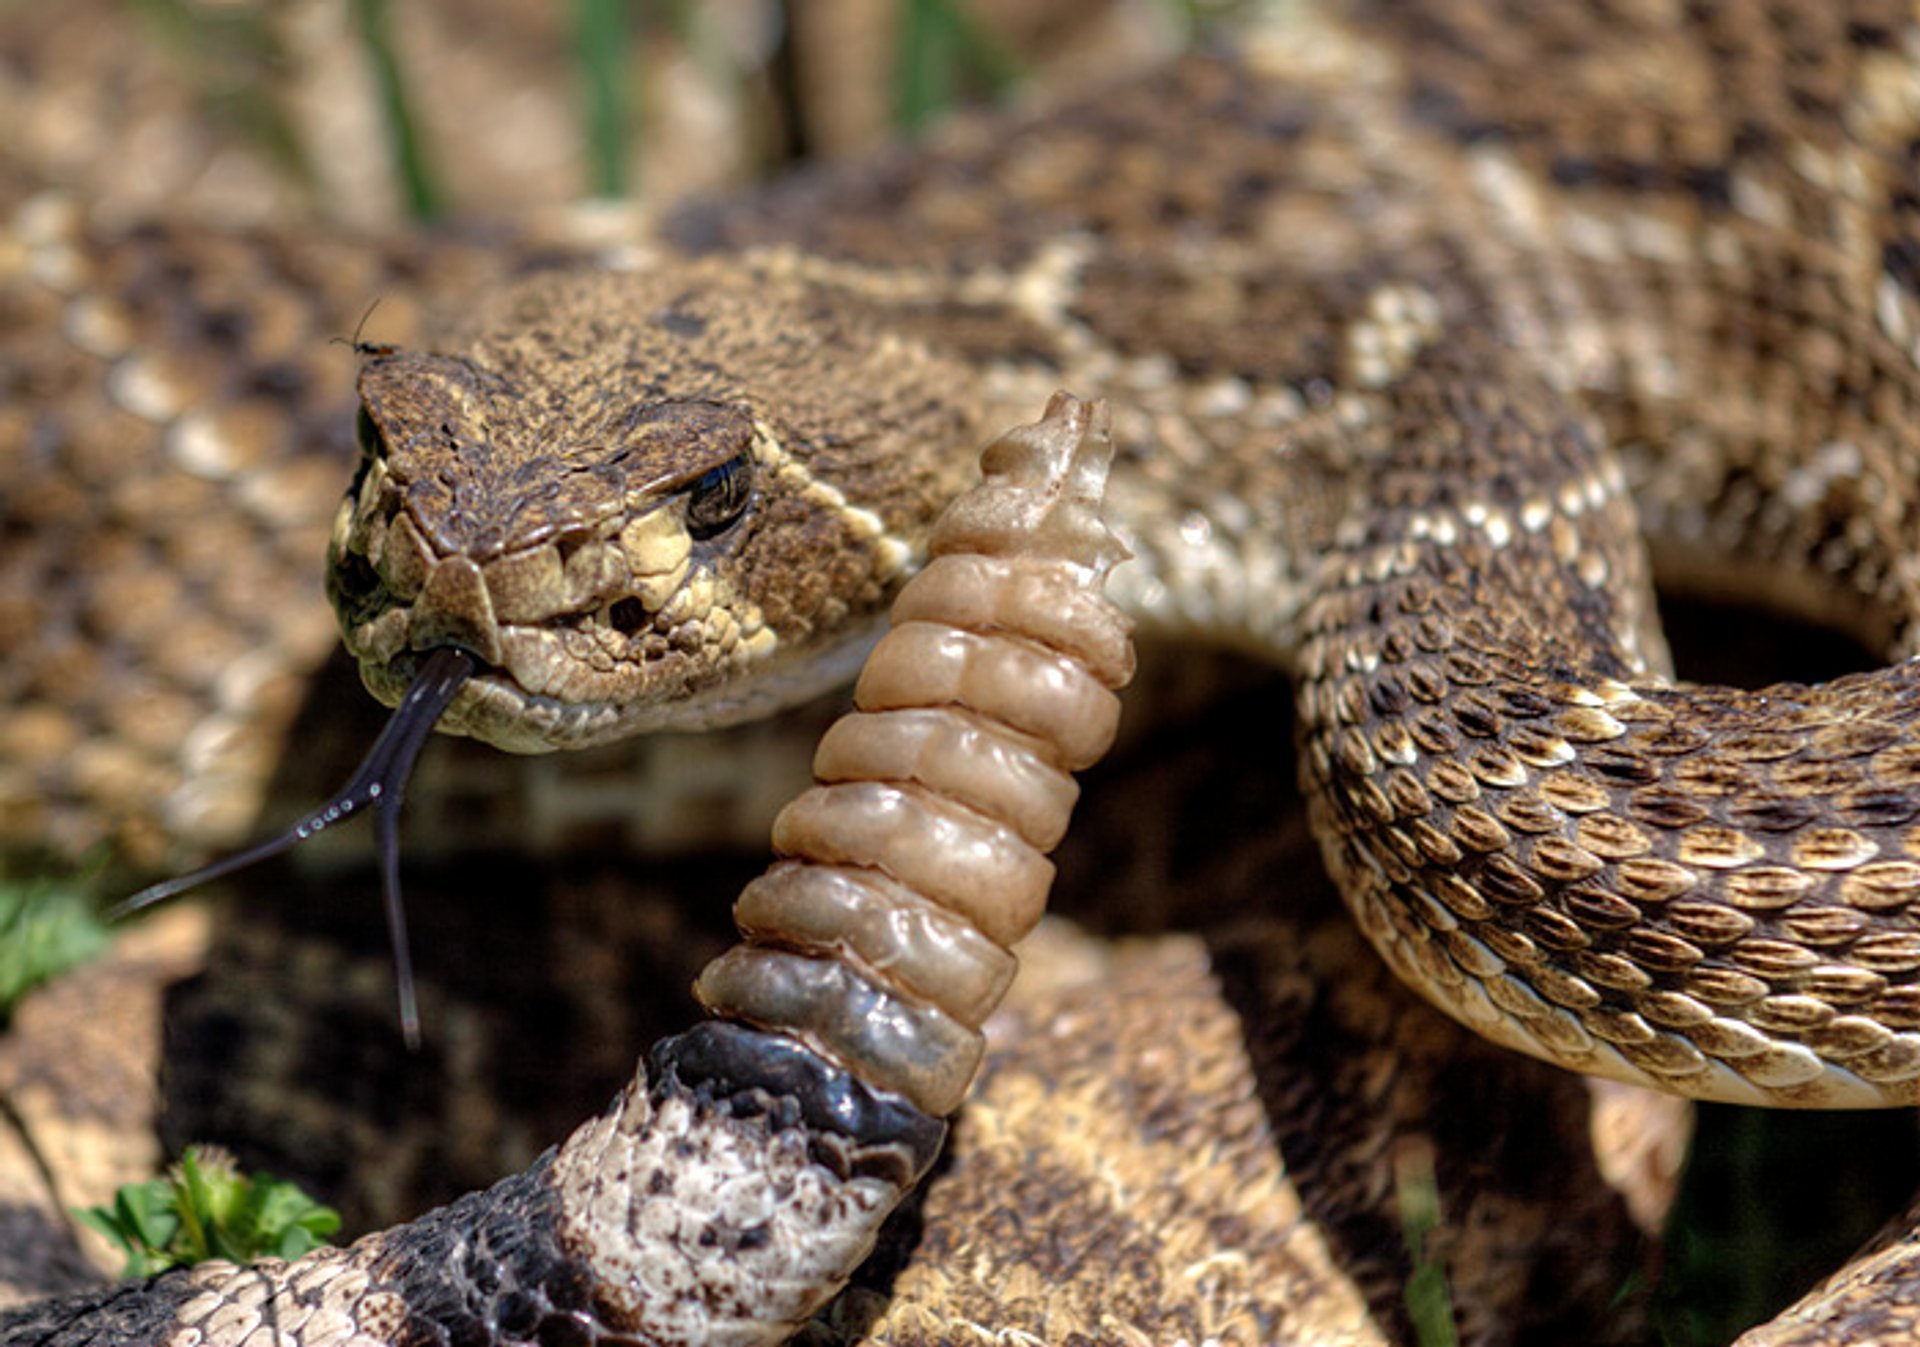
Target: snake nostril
x=627, y=616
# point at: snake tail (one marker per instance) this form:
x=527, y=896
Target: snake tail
x=711, y=1205
x=882, y=937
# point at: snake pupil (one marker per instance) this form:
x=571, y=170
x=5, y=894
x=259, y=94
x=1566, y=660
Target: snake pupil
x=720, y=496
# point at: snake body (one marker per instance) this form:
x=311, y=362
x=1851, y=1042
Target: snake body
x=1682, y=887
x=1409, y=313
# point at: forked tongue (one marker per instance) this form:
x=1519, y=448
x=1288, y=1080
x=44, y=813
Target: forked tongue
x=379, y=781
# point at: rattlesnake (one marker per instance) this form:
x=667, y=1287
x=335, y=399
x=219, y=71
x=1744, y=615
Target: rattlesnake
x=1390, y=332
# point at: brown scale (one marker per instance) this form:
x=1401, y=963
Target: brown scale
x=883, y=937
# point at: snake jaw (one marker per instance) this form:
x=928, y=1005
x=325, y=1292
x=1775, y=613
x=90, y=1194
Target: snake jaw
x=621, y=628
x=598, y=621
x=580, y=642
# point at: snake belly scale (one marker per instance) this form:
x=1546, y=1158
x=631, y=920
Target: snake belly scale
x=1413, y=317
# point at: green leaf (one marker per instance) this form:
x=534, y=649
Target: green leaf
x=600, y=44
x=941, y=51
x=418, y=182
x=46, y=926
x=146, y=1210
x=1426, y=1295
x=141, y=1223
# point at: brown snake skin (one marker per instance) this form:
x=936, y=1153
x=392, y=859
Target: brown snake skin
x=1408, y=313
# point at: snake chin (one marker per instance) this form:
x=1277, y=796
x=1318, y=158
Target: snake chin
x=498, y=708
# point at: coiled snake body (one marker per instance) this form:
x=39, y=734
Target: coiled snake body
x=1413, y=317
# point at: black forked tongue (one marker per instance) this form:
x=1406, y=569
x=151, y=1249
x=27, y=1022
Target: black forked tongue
x=380, y=781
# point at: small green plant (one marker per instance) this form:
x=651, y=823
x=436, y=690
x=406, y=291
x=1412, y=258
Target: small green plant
x=204, y=1208
x=46, y=927
x=1429, y=1303
x=941, y=48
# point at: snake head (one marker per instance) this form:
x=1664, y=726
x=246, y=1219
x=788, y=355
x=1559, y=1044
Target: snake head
x=625, y=502
x=661, y=500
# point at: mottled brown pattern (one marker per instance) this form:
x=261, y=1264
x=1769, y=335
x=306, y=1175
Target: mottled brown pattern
x=1407, y=312
x=1867, y=1301
x=147, y=378
x=1662, y=883
x=1210, y=1115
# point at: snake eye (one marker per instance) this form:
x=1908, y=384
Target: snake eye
x=373, y=448
x=367, y=434
x=719, y=496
